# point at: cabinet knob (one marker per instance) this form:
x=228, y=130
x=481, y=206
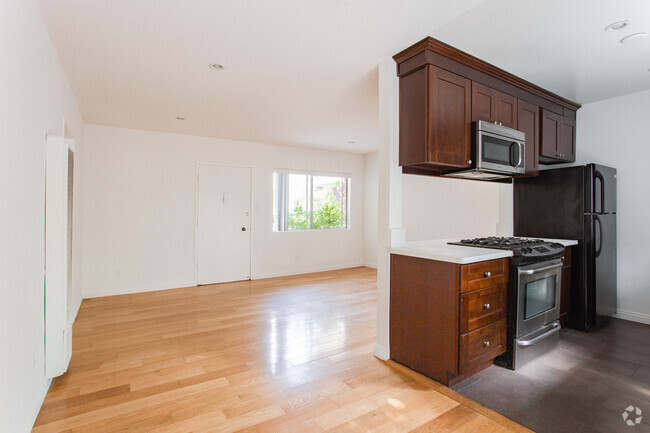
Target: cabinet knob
x=243, y=229
x=486, y=306
x=486, y=343
x=469, y=162
x=487, y=274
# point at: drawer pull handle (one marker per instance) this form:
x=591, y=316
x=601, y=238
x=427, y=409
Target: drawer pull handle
x=486, y=343
x=488, y=274
x=486, y=306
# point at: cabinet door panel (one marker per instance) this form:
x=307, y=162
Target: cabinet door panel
x=450, y=114
x=528, y=123
x=566, y=145
x=506, y=110
x=413, y=117
x=484, y=105
x=550, y=134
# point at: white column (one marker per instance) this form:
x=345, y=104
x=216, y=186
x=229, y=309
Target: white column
x=505, y=223
x=391, y=232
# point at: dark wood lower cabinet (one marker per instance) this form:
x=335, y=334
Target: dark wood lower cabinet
x=447, y=321
x=424, y=315
x=482, y=345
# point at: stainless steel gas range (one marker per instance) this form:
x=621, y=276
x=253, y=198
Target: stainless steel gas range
x=533, y=296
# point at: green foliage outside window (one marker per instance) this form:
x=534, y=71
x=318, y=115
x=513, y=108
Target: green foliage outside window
x=328, y=215
x=297, y=219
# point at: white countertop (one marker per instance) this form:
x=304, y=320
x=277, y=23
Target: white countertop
x=439, y=249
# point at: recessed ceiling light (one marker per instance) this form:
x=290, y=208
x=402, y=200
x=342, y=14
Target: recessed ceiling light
x=634, y=38
x=619, y=25
x=179, y=118
x=215, y=66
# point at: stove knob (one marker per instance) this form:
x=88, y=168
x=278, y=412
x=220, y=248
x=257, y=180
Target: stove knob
x=488, y=274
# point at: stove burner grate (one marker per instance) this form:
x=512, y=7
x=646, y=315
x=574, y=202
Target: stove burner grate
x=501, y=242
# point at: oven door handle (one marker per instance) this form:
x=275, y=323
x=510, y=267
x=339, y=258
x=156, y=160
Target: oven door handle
x=556, y=328
x=534, y=271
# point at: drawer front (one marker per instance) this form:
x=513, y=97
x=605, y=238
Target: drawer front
x=483, y=274
x=482, y=307
x=482, y=345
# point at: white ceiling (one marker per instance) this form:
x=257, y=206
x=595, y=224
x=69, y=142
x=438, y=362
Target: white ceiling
x=304, y=73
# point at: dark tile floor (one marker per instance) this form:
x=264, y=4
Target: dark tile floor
x=582, y=386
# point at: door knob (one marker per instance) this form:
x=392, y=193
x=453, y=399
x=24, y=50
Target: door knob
x=243, y=229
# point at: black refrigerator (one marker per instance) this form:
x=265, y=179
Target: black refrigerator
x=576, y=203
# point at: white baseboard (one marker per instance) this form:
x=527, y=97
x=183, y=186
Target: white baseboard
x=76, y=308
x=633, y=316
x=181, y=284
x=381, y=352
x=370, y=265
x=43, y=394
x=306, y=270
x=129, y=290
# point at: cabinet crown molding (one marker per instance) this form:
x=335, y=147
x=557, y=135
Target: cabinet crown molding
x=435, y=52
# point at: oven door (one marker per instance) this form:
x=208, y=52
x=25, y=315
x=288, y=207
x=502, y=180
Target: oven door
x=538, y=298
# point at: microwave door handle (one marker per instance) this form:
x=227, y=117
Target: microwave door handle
x=520, y=145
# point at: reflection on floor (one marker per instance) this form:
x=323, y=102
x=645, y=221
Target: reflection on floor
x=281, y=355
x=584, y=385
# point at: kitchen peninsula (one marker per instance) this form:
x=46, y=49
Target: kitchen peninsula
x=448, y=306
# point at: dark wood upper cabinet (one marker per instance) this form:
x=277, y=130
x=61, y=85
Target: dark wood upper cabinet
x=528, y=123
x=435, y=119
x=450, y=133
x=442, y=90
x=493, y=106
x=557, y=138
x=567, y=144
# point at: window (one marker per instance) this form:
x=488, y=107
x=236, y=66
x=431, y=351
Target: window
x=310, y=201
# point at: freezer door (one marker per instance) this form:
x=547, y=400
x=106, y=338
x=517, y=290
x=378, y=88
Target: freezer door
x=601, y=269
x=601, y=193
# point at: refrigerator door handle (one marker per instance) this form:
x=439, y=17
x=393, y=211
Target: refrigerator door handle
x=600, y=234
x=598, y=175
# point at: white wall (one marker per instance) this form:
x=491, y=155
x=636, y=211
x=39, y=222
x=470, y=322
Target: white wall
x=35, y=98
x=440, y=208
x=614, y=132
x=371, y=209
x=140, y=209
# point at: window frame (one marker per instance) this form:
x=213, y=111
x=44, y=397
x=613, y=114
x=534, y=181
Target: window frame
x=309, y=199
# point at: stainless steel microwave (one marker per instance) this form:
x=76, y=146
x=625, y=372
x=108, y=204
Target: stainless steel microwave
x=497, y=152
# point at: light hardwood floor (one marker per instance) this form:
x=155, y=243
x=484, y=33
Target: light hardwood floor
x=291, y=354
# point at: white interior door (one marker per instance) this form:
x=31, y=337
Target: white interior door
x=223, y=224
